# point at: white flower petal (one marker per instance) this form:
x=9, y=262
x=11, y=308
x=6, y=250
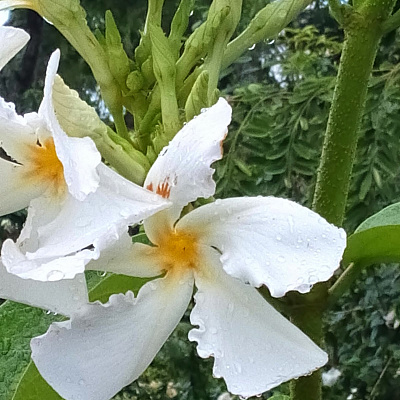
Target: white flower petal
x=12, y=40
x=43, y=269
x=182, y=171
x=16, y=192
x=116, y=204
x=63, y=297
x=126, y=258
x=16, y=135
x=269, y=241
x=109, y=346
x=79, y=156
x=156, y=225
x=254, y=347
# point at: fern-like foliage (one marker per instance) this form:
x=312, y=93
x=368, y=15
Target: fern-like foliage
x=276, y=137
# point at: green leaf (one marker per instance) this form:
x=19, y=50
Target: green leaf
x=388, y=216
x=19, y=323
x=279, y=397
x=376, y=240
x=116, y=284
x=33, y=387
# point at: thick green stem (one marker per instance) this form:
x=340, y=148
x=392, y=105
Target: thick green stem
x=363, y=29
x=307, y=315
x=341, y=137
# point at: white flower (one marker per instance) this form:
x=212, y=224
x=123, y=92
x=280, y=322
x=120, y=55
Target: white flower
x=330, y=377
x=73, y=200
x=226, y=248
x=12, y=40
x=62, y=296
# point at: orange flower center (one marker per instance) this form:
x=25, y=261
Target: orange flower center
x=44, y=166
x=178, y=250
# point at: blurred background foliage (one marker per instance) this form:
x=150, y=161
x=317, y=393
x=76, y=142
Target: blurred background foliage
x=281, y=92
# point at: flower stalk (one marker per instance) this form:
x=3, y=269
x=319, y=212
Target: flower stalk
x=363, y=26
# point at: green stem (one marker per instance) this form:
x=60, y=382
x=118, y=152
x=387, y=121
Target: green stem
x=344, y=283
x=120, y=125
x=363, y=29
x=341, y=136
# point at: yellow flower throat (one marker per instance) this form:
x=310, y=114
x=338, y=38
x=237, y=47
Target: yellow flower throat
x=45, y=167
x=178, y=251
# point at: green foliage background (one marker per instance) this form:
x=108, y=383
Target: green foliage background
x=281, y=93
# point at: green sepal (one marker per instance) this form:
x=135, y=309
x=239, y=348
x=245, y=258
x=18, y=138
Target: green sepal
x=376, y=240
x=163, y=58
x=179, y=25
x=118, y=60
x=266, y=24
x=78, y=119
x=148, y=71
x=198, y=43
x=165, y=72
x=198, y=96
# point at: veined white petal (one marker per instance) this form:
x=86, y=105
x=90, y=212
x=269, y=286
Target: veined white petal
x=43, y=269
x=127, y=258
x=122, y=337
x=12, y=40
x=64, y=297
x=182, y=171
x=79, y=156
x=116, y=204
x=269, y=241
x=254, y=347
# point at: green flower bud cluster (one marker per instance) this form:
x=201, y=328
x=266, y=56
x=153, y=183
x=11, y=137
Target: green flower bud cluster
x=168, y=79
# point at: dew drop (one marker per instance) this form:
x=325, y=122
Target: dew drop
x=55, y=275
x=237, y=367
x=81, y=382
x=281, y=258
x=291, y=223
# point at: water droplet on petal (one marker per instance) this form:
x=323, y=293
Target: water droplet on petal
x=55, y=275
x=281, y=258
x=237, y=367
x=81, y=382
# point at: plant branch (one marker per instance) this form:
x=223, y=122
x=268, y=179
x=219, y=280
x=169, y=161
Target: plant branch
x=363, y=29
